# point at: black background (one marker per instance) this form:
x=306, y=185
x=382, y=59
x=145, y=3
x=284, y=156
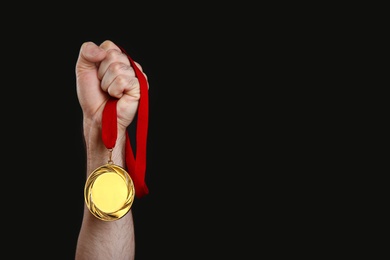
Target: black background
x=200, y=140
x=237, y=128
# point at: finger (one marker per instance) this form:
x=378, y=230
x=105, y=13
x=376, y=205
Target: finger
x=138, y=65
x=114, y=62
x=118, y=73
x=109, y=45
x=89, y=55
x=125, y=84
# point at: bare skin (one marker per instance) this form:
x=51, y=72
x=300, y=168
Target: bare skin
x=103, y=71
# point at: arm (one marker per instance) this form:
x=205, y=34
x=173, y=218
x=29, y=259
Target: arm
x=104, y=71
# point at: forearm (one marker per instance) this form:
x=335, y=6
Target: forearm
x=106, y=240
x=100, y=239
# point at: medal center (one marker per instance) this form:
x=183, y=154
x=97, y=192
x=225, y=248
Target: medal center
x=109, y=192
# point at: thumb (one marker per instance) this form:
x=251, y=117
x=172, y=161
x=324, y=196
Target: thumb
x=90, y=54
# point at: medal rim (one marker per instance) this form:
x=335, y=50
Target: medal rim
x=122, y=211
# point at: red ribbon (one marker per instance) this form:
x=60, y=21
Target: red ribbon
x=136, y=165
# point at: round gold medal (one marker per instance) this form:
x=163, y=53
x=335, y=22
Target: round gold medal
x=109, y=192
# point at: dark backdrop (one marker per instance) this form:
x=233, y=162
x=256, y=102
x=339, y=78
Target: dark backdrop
x=239, y=143
x=200, y=142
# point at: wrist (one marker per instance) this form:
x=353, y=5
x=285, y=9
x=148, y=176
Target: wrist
x=97, y=153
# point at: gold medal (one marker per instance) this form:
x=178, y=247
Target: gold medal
x=109, y=192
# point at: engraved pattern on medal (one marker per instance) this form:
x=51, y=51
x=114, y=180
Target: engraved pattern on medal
x=109, y=192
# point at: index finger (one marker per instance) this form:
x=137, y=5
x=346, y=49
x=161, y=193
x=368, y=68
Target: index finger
x=109, y=45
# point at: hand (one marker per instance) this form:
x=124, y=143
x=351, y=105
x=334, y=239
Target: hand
x=103, y=72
